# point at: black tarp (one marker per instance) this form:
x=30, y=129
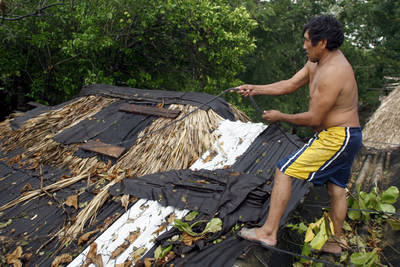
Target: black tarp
x=109, y=126
x=17, y=122
x=120, y=128
x=237, y=195
x=140, y=96
x=33, y=223
x=206, y=191
x=256, y=167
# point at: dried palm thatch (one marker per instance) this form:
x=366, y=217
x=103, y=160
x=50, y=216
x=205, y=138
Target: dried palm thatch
x=37, y=132
x=70, y=233
x=239, y=115
x=45, y=190
x=382, y=131
x=36, y=135
x=5, y=129
x=157, y=149
x=174, y=147
x=162, y=146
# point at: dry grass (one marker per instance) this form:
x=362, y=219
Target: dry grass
x=175, y=147
x=156, y=149
x=47, y=189
x=70, y=232
x=383, y=128
x=36, y=135
x=239, y=115
x=36, y=132
x=5, y=129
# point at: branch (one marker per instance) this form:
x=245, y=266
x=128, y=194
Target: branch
x=36, y=13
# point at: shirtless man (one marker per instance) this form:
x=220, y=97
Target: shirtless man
x=333, y=116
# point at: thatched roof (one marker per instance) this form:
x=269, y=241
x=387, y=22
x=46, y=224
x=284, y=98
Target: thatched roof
x=58, y=198
x=34, y=163
x=382, y=131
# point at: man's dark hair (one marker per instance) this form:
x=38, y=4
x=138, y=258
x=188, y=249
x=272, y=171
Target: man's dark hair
x=325, y=27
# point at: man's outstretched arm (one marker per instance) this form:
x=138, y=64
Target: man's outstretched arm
x=278, y=88
x=323, y=98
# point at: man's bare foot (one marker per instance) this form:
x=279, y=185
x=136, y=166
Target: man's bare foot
x=255, y=234
x=331, y=247
x=334, y=246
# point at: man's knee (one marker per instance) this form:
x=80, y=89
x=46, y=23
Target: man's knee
x=280, y=175
x=335, y=190
x=281, y=178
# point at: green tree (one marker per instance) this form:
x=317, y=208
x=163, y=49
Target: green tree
x=175, y=45
x=372, y=27
x=279, y=53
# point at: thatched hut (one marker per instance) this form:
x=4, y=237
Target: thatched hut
x=382, y=131
x=381, y=141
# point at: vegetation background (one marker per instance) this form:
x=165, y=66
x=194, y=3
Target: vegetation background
x=50, y=49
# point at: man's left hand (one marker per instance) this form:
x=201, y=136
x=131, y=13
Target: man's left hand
x=271, y=115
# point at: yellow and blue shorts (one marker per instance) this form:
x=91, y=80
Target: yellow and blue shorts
x=327, y=157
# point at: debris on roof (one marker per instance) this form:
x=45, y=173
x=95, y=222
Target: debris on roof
x=58, y=197
x=212, y=187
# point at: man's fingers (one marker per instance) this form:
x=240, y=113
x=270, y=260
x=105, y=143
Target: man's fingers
x=243, y=92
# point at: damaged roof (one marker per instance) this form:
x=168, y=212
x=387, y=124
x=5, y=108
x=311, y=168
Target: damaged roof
x=70, y=171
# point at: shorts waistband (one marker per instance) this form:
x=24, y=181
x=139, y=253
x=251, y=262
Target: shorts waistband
x=352, y=128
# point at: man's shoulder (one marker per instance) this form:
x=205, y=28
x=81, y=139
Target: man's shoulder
x=337, y=69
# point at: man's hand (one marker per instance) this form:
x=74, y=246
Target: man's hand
x=272, y=115
x=245, y=90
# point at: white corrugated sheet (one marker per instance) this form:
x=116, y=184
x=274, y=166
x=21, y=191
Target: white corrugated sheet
x=146, y=216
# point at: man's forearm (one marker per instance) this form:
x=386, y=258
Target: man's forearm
x=278, y=88
x=301, y=119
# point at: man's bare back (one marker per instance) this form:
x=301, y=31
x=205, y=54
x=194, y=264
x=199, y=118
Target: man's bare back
x=344, y=111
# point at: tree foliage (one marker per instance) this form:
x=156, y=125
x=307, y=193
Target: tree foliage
x=173, y=45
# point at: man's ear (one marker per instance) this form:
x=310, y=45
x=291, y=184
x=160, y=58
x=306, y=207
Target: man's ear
x=323, y=43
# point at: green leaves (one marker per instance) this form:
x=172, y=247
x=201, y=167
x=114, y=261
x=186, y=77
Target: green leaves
x=365, y=258
x=319, y=232
x=161, y=252
x=213, y=226
x=390, y=195
x=395, y=224
x=191, y=216
x=187, y=46
x=353, y=214
x=373, y=200
x=301, y=227
x=364, y=235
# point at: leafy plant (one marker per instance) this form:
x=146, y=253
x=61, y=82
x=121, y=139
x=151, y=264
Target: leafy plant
x=374, y=200
x=319, y=232
x=366, y=259
x=300, y=228
x=182, y=46
x=213, y=226
x=161, y=252
x=379, y=201
x=191, y=216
